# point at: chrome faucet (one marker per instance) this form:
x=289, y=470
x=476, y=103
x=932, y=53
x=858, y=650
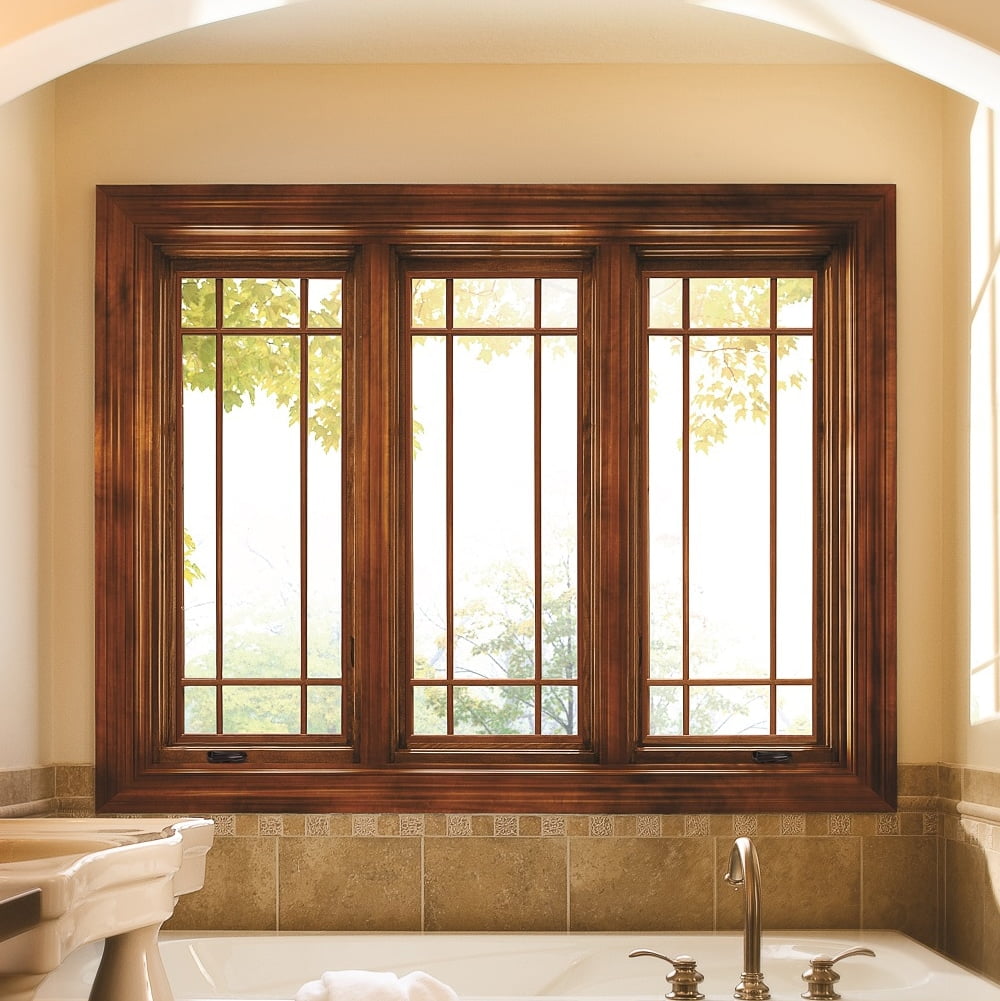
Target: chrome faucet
x=744, y=871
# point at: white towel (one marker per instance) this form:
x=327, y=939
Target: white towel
x=365, y=985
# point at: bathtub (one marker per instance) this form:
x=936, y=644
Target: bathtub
x=271, y=967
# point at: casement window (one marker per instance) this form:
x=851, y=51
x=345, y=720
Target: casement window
x=525, y=499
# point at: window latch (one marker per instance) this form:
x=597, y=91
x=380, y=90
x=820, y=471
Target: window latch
x=771, y=757
x=227, y=757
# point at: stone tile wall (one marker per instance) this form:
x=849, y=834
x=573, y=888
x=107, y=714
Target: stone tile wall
x=931, y=869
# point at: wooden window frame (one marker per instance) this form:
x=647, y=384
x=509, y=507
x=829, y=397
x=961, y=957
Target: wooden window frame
x=146, y=234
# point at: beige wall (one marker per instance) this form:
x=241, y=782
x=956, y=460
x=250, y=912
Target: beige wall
x=129, y=124
x=26, y=174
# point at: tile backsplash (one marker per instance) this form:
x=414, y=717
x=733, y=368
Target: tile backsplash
x=931, y=869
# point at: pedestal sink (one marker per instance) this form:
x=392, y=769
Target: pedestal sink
x=99, y=879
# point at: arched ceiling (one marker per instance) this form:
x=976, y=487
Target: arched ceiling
x=34, y=50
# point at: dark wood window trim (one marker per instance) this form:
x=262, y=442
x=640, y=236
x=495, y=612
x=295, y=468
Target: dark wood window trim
x=146, y=234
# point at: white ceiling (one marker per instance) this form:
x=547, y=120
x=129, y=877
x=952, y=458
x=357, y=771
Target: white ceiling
x=491, y=31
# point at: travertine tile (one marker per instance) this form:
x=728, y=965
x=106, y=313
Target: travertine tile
x=991, y=917
x=950, y=782
x=495, y=884
x=640, y=883
x=240, y=888
x=964, y=880
x=805, y=883
x=74, y=780
x=900, y=886
x=918, y=780
x=981, y=786
x=349, y=884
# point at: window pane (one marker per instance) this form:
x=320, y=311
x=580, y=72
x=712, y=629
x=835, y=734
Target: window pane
x=197, y=302
x=666, y=303
x=559, y=302
x=493, y=521
x=730, y=302
x=260, y=506
x=794, y=506
x=428, y=302
x=199, y=710
x=666, y=713
x=430, y=710
x=430, y=568
x=325, y=302
x=560, y=710
x=324, y=491
x=730, y=710
x=666, y=495
x=494, y=302
x=260, y=302
x=795, y=302
x=558, y=497
x=260, y=709
x=324, y=710
x=729, y=533
x=494, y=709
x=198, y=450
x=794, y=709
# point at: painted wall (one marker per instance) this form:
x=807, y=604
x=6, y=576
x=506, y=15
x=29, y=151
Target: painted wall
x=130, y=124
x=26, y=176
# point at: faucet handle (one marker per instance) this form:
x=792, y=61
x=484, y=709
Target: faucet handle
x=820, y=977
x=684, y=980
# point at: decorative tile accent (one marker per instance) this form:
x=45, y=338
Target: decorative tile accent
x=553, y=826
x=697, y=825
x=930, y=823
x=317, y=826
x=225, y=825
x=793, y=823
x=887, y=823
x=744, y=825
x=840, y=823
x=647, y=826
x=270, y=826
x=505, y=827
x=459, y=826
x=411, y=825
x=602, y=827
x=364, y=825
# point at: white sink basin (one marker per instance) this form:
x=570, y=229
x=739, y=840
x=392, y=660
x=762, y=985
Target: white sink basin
x=99, y=879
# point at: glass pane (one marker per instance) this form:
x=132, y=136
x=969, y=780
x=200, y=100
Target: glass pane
x=494, y=302
x=794, y=710
x=729, y=533
x=730, y=302
x=730, y=710
x=428, y=302
x=197, y=302
x=794, y=504
x=260, y=509
x=493, y=521
x=559, y=302
x=430, y=617
x=260, y=709
x=494, y=709
x=795, y=302
x=323, y=709
x=260, y=302
x=559, y=710
x=559, y=491
x=324, y=491
x=326, y=307
x=430, y=710
x=199, y=710
x=983, y=692
x=666, y=713
x=666, y=303
x=198, y=447
x=666, y=479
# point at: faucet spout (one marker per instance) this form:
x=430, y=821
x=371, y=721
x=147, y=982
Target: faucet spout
x=744, y=873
